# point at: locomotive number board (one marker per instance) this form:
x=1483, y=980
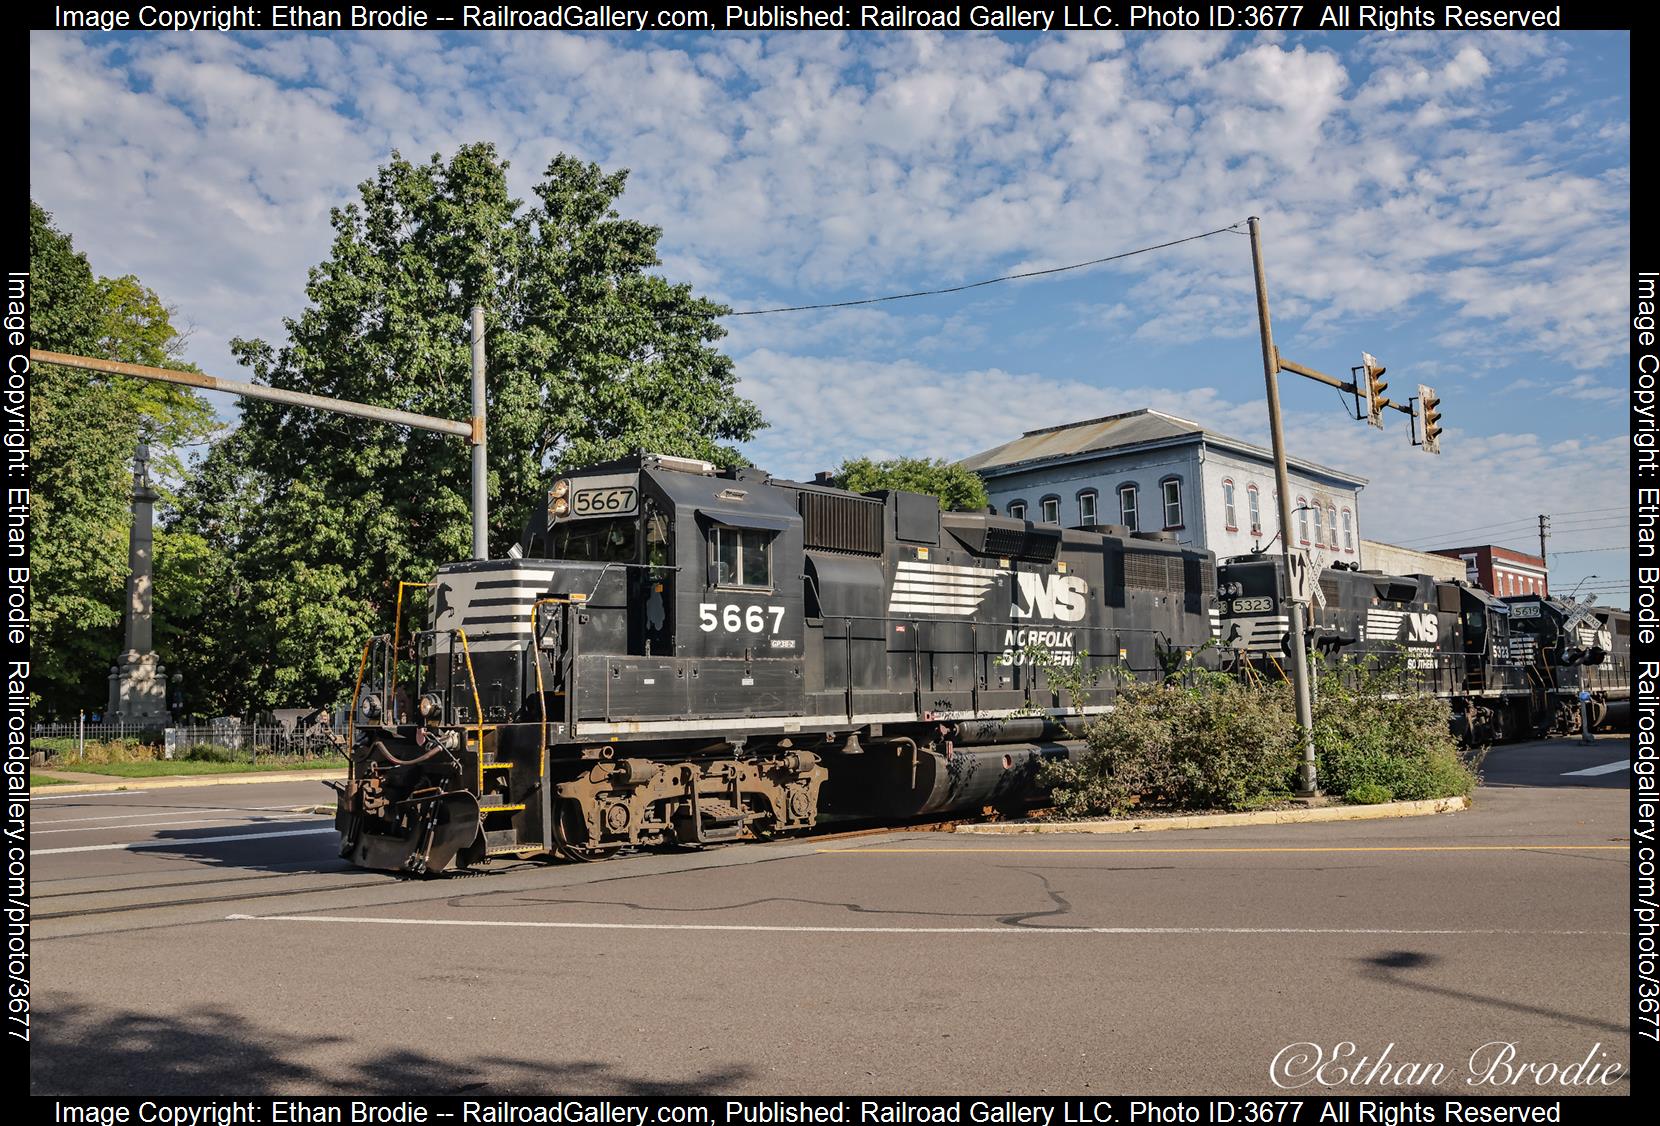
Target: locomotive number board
x=605, y=502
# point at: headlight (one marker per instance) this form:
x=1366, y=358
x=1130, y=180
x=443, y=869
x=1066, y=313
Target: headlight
x=561, y=506
x=561, y=489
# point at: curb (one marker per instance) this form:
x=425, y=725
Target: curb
x=117, y=783
x=1231, y=820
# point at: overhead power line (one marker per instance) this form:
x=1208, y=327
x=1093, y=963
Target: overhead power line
x=1593, y=550
x=988, y=281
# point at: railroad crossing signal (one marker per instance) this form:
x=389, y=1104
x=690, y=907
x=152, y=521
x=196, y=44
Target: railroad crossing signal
x=1429, y=402
x=1375, y=387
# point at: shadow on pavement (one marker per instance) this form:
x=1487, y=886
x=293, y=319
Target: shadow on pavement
x=83, y=1050
x=1390, y=967
x=1554, y=763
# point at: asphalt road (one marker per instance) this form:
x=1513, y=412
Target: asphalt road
x=207, y=940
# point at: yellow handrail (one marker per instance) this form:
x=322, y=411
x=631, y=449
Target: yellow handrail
x=478, y=709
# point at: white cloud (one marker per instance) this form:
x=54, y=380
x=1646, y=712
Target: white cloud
x=1434, y=194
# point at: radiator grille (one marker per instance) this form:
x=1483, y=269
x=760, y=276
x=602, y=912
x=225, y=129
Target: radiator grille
x=841, y=523
x=1145, y=570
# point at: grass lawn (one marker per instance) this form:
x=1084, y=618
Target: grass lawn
x=42, y=780
x=165, y=768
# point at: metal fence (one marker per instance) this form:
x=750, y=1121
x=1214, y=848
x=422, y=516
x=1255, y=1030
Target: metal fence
x=240, y=742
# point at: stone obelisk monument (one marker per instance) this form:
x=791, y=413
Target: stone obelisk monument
x=138, y=685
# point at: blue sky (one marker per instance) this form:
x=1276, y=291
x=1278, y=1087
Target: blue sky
x=1456, y=204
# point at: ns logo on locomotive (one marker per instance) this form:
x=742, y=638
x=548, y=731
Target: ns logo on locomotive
x=676, y=654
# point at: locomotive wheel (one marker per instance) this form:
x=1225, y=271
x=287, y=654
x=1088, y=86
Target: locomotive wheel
x=562, y=834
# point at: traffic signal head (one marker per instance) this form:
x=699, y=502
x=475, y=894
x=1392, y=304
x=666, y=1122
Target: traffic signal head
x=1375, y=387
x=1430, y=404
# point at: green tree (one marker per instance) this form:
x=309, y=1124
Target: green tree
x=590, y=356
x=959, y=489
x=83, y=428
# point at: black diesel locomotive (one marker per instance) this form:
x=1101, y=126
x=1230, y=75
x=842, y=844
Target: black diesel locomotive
x=1509, y=668
x=683, y=655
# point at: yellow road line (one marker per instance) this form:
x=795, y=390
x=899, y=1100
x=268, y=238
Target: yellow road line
x=1336, y=848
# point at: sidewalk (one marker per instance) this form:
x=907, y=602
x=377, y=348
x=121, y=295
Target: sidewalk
x=1229, y=820
x=83, y=783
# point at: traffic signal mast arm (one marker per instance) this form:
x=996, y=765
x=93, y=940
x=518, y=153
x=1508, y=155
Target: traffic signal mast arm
x=1332, y=381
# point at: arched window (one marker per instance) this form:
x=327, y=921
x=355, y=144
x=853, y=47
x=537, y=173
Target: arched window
x=1319, y=525
x=1171, y=487
x=1086, y=506
x=1348, y=532
x=1017, y=509
x=1253, y=503
x=1127, y=507
x=1331, y=511
x=1050, y=507
x=1302, y=519
x=1229, y=517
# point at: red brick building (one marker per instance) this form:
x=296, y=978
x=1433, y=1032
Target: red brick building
x=1501, y=571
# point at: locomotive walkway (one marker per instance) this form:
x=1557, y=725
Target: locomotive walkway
x=208, y=940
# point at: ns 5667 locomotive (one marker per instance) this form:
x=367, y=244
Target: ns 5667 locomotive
x=680, y=655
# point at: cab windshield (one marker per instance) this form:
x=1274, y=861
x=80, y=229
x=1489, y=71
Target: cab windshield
x=597, y=541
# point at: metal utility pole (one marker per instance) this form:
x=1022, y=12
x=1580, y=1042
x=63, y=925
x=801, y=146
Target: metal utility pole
x=481, y=475
x=1308, y=775
x=1544, y=560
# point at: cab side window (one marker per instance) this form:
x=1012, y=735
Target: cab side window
x=743, y=558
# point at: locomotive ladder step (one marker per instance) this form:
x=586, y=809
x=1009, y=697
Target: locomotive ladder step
x=721, y=820
x=498, y=766
x=501, y=808
x=505, y=842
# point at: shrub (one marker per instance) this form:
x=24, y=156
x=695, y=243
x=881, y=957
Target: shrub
x=1403, y=744
x=1216, y=744
x=1219, y=743
x=66, y=751
x=1369, y=793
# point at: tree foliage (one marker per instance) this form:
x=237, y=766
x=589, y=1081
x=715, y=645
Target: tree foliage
x=959, y=489
x=309, y=518
x=83, y=429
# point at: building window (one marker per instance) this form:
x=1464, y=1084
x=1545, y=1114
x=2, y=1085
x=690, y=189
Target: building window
x=1253, y=502
x=1319, y=525
x=1086, y=507
x=1331, y=510
x=1017, y=509
x=1172, y=502
x=743, y=558
x=1302, y=520
x=1348, y=532
x=1228, y=515
x=1127, y=507
x=1051, y=509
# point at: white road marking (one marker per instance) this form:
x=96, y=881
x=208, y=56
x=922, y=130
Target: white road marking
x=148, y=813
x=541, y=924
x=1605, y=768
x=179, y=843
x=33, y=832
